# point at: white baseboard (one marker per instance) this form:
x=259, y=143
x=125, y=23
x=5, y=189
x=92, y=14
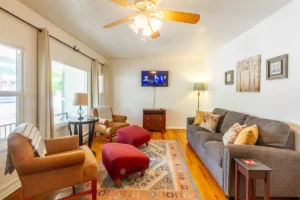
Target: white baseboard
x=10, y=188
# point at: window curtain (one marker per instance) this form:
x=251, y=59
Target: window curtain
x=104, y=75
x=45, y=119
x=94, y=96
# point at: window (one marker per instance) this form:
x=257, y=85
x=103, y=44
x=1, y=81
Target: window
x=66, y=81
x=10, y=89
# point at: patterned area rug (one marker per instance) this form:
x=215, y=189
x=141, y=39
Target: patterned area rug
x=167, y=177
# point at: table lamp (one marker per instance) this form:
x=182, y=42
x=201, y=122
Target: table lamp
x=80, y=99
x=199, y=87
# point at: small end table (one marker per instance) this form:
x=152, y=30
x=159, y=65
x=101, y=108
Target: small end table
x=91, y=121
x=252, y=172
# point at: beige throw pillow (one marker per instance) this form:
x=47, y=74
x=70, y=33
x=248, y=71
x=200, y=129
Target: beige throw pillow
x=232, y=133
x=210, y=122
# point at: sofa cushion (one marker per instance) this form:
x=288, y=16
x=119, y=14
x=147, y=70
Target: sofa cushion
x=231, y=118
x=271, y=132
x=193, y=128
x=222, y=112
x=214, y=150
x=203, y=136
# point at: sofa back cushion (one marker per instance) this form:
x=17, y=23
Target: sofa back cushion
x=222, y=112
x=231, y=118
x=271, y=132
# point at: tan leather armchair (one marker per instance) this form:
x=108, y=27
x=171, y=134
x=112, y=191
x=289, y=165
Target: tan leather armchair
x=65, y=165
x=108, y=129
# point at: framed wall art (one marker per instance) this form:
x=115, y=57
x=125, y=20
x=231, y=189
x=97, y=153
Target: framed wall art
x=277, y=68
x=248, y=74
x=229, y=77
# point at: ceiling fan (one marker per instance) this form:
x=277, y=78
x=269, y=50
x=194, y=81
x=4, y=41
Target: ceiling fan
x=147, y=15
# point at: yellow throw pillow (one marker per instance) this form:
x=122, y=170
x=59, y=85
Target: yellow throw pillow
x=248, y=135
x=199, y=117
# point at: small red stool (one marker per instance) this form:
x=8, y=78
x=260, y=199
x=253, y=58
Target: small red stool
x=133, y=135
x=123, y=160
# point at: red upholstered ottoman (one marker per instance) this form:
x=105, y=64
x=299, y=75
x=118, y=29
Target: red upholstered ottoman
x=133, y=135
x=122, y=160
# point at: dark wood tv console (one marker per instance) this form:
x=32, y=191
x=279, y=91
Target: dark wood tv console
x=154, y=119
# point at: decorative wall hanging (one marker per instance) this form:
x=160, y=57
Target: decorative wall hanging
x=229, y=77
x=277, y=67
x=248, y=74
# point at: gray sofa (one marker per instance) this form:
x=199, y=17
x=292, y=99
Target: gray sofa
x=275, y=148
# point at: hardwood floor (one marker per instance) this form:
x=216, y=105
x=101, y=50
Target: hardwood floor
x=206, y=184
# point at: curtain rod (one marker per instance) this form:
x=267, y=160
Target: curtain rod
x=74, y=48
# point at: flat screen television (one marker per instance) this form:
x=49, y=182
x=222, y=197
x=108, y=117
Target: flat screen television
x=155, y=78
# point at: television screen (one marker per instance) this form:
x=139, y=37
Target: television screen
x=155, y=78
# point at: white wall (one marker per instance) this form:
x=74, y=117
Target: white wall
x=278, y=99
x=127, y=97
x=16, y=33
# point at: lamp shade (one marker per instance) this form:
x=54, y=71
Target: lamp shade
x=80, y=99
x=200, y=86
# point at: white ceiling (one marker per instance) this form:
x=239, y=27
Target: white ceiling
x=221, y=21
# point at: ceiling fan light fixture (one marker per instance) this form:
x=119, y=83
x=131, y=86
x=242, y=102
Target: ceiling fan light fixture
x=134, y=28
x=156, y=24
x=141, y=21
x=147, y=31
x=159, y=14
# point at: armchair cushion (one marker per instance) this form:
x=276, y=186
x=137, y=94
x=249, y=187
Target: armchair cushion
x=55, y=161
x=62, y=144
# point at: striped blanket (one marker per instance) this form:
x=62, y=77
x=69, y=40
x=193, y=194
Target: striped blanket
x=34, y=137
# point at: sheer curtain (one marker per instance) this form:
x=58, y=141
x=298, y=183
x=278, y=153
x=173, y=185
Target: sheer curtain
x=45, y=105
x=104, y=85
x=94, y=91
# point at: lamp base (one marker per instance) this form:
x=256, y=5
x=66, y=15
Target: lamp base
x=80, y=113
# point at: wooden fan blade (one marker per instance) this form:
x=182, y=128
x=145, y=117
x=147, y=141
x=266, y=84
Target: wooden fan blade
x=180, y=16
x=118, y=22
x=155, y=35
x=121, y=2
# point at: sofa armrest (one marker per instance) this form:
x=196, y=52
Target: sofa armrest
x=190, y=120
x=119, y=118
x=36, y=165
x=283, y=162
x=58, y=145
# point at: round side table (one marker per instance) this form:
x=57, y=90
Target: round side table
x=90, y=121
